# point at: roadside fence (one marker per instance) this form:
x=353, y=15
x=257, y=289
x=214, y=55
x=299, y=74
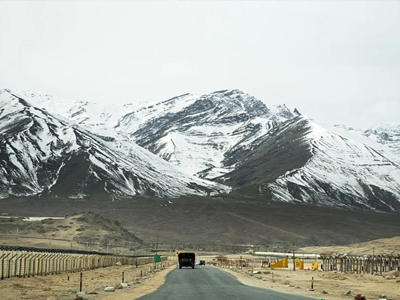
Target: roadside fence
x=371, y=264
x=30, y=264
x=368, y=264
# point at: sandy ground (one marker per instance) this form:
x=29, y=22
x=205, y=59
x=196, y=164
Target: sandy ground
x=326, y=285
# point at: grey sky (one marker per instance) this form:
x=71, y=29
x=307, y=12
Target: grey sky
x=337, y=62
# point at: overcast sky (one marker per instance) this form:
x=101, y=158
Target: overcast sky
x=335, y=61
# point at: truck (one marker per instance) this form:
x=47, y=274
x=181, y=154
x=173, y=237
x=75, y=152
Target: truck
x=186, y=259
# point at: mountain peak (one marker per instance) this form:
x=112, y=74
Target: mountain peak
x=228, y=92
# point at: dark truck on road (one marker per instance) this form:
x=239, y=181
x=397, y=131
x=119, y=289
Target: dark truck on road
x=186, y=259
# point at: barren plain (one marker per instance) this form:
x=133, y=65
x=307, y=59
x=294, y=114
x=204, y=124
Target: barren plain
x=202, y=221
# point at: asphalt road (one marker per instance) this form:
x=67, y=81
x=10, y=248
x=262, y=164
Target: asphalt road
x=209, y=283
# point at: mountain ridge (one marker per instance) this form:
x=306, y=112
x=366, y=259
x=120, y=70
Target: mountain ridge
x=225, y=138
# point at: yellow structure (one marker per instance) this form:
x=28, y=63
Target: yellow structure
x=283, y=263
x=314, y=265
x=299, y=264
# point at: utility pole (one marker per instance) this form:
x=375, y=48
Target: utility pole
x=157, y=244
x=294, y=260
x=155, y=263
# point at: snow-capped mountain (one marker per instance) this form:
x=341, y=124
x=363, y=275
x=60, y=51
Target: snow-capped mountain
x=234, y=138
x=384, y=138
x=195, y=132
x=81, y=112
x=387, y=134
x=302, y=161
x=229, y=137
x=95, y=117
x=44, y=153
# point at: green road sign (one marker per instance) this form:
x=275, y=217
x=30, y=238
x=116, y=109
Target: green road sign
x=157, y=258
